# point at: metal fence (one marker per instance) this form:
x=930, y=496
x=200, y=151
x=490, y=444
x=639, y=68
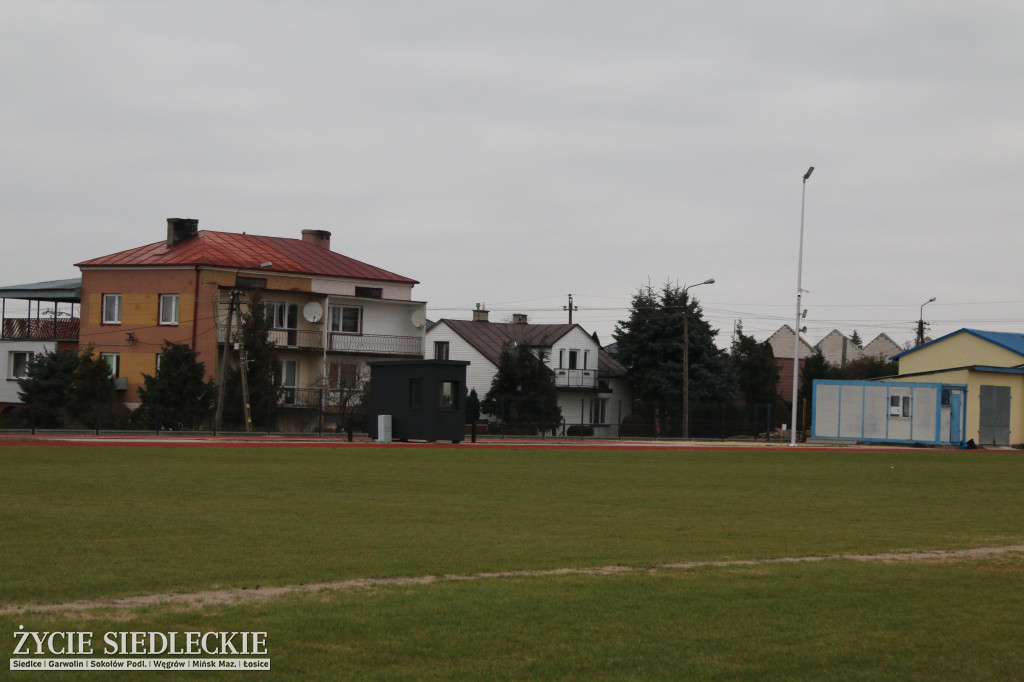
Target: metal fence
x=336, y=411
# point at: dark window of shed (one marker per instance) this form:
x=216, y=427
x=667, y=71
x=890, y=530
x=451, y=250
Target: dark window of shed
x=370, y=292
x=449, y=394
x=415, y=392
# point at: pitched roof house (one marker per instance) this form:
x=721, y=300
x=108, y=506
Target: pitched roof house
x=24, y=335
x=991, y=365
x=591, y=384
x=882, y=347
x=838, y=348
x=329, y=313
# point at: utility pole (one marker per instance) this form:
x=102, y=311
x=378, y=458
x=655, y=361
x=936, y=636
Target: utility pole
x=243, y=359
x=218, y=416
x=570, y=308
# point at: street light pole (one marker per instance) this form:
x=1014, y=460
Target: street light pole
x=796, y=326
x=920, y=322
x=686, y=357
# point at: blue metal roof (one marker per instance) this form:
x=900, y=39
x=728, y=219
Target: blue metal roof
x=1011, y=341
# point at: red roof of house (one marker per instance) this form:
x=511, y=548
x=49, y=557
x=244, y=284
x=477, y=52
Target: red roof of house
x=230, y=250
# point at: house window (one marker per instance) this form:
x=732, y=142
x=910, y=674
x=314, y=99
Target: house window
x=342, y=375
x=441, y=350
x=586, y=355
x=17, y=364
x=415, y=392
x=168, y=308
x=346, y=319
x=288, y=377
x=111, y=308
x=370, y=292
x=159, y=361
x=251, y=282
x=113, y=361
x=449, y=395
x=573, y=358
x=281, y=315
x=599, y=411
x=561, y=358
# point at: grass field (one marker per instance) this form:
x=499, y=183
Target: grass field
x=84, y=523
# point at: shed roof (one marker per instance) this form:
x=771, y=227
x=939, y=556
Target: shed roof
x=1011, y=341
x=231, y=250
x=60, y=290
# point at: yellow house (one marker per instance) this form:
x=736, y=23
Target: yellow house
x=991, y=365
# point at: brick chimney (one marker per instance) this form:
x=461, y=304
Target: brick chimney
x=480, y=314
x=321, y=238
x=519, y=318
x=180, y=229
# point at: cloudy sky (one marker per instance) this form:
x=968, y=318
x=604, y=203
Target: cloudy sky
x=513, y=153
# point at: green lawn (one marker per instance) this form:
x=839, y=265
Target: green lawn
x=84, y=522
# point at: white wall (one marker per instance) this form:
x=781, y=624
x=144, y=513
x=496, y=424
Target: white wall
x=8, y=386
x=480, y=371
x=391, y=291
x=579, y=340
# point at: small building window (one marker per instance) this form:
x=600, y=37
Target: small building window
x=289, y=376
x=111, y=308
x=17, y=364
x=441, y=350
x=346, y=319
x=370, y=292
x=281, y=314
x=113, y=361
x=899, y=406
x=415, y=392
x=449, y=395
x=169, y=309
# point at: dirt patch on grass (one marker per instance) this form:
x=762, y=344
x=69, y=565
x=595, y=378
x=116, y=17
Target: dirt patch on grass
x=241, y=595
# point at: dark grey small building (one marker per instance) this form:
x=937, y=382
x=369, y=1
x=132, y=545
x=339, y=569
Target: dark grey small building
x=425, y=399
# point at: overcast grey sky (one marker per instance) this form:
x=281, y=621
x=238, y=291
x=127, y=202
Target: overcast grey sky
x=512, y=153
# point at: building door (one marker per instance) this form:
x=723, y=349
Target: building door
x=994, y=421
x=955, y=418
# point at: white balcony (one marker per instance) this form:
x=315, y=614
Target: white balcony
x=368, y=344
x=576, y=378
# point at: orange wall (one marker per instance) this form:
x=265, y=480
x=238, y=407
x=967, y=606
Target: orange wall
x=140, y=291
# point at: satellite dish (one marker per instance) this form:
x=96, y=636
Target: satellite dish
x=419, y=318
x=313, y=312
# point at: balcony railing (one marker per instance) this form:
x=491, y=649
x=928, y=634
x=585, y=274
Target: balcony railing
x=41, y=329
x=376, y=343
x=370, y=344
x=576, y=378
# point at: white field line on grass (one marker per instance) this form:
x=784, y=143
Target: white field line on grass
x=237, y=595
